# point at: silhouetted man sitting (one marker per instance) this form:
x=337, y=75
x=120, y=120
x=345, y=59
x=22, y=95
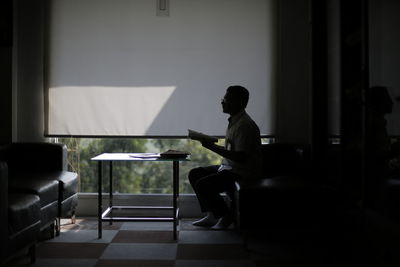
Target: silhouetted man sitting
x=241, y=161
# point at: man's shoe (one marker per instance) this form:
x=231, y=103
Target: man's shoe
x=209, y=220
x=223, y=223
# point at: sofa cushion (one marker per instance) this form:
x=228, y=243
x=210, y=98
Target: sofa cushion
x=68, y=181
x=47, y=190
x=23, y=211
x=287, y=201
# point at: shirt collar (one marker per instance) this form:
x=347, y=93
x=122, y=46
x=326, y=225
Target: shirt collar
x=236, y=117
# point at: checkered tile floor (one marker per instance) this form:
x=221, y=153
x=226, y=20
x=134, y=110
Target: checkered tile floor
x=148, y=244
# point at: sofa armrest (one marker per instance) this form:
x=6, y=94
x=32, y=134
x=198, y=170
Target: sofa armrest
x=37, y=157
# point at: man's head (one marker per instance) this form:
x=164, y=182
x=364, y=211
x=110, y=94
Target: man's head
x=235, y=99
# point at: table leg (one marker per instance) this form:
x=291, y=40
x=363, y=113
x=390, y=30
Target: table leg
x=175, y=189
x=99, y=198
x=110, y=201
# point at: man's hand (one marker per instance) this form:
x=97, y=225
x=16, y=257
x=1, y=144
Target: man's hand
x=207, y=144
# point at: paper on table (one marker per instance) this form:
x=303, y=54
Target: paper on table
x=201, y=137
x=145, y=155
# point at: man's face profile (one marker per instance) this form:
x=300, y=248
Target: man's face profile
x=225, y=103
x=229, y=105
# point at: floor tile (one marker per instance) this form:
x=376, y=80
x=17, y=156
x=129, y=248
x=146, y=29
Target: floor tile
x=64, y=263
x=144, y=237
x=211, y=252
x=148, y=244
x=140, y=251
x=147, y=226
x=84, y=236
x=70, y=250
x=88, y=224
x=209, y=237
x=214, y=263
x=186, y=225
x=135, y=263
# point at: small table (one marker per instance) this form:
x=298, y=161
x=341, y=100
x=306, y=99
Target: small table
x=154, y=157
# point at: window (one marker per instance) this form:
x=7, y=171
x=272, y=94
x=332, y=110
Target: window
x=134, y=177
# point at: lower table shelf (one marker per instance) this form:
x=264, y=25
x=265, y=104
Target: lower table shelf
x=107, y=216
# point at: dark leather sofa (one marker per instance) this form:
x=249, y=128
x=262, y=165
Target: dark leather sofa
x=37, y=190
x=287, y=194
x=20, y=214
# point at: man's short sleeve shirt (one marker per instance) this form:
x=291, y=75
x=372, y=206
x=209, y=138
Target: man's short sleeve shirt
x=243, y=135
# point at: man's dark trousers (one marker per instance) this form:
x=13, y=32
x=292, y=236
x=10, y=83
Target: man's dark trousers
x=208, y=183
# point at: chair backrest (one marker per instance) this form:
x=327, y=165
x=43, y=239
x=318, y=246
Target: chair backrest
x=285, y=159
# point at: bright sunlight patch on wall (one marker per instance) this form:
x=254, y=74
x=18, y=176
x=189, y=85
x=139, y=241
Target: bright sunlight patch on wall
x=85, y=110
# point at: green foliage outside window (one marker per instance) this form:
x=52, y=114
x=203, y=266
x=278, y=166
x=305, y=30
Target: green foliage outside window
x=134, y=177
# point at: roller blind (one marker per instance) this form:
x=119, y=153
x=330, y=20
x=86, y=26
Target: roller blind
x=115, y=68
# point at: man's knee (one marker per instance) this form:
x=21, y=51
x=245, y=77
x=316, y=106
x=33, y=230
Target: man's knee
x=205, y=185
x=195, y=174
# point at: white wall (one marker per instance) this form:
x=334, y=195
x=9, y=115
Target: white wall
x=385, y=53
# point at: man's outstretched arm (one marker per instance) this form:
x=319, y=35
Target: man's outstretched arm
x=237, y=156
